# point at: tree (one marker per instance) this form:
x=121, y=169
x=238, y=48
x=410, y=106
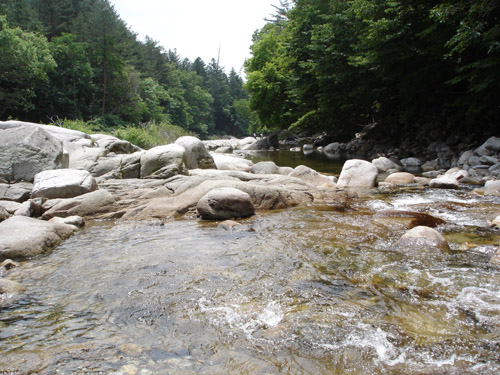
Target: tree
x=25, y=61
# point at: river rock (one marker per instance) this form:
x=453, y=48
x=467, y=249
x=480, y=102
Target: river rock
x=422, y=238
x=8, y=264
x=225, y=203
x=265, y=167
x=19, y=192
x=63, y=183
x=495, y=223
x=27, y=150
x=334, y=151
x=224, y=150
x=247, y=141
x=197, y=156
x=77, y=221
x=383, y=164
x=163, y=162
x=122, y=166
x=265, y=143
x=4, y=215
x=412, y=165
x=24, y=209
x=233, y=163
x=464, y=158
x=10, y=291
x=23, y=237
x=10, y=206
x=229, y=225
x=114, y=144
x=82, y=157
x=492, y=187
x=400, y=178
x=86, y=205
x=444, y=182
x=495, y=258
x=311, y=176
x=397, y=220
x=358, y=174
x=490, y=147
x=62, y=134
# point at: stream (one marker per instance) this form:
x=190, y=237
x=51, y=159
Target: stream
x=309, y=290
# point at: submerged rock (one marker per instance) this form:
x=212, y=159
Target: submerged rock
x=358, y=174
x=225, y=203
x=23, y=237
x=422, y=238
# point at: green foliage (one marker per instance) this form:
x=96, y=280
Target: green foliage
x=341, y=64
x=152, y=134
x=104, y=74
x=25, y=61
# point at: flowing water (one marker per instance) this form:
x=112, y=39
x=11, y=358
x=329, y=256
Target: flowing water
x=309, y=290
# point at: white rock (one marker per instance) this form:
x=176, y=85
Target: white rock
x=163, y=162
x=358, y=174
x=63, y=183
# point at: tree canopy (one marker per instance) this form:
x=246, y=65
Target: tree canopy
x=76, y=59
x=428, y=67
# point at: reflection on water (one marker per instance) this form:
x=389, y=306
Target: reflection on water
x=302, y=291
x=319, y=161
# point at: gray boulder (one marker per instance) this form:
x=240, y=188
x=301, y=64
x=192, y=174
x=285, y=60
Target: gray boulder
x=335, y=151
x=264, y=144
x=358, y=174
x=225, y=203
x=265, y=167
x=163, y=162
x=422, y=238
x=10, y=206
x=232, y=163
x=63, y=134
x=383, y=164
x=23, y=237
x=19, y=192
x=113, y=144
x=26, y=151
x=312, y=177
x=63, y=183
x=4, y=215
x=445, y=182
x=412, y=165
x=490, y=147
x=86, y=205
x=83, y=157
x=197, y=156
x=118, y=166
x=464, y=158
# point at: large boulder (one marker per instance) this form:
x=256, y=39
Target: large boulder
x=197, y=156
x=422, y=238
x=118, y=166
x=265, y=167
x=83, y=157
x=19, y=192
x=23, y=237
x=86, y=205
x=27, y=150
x=63, y=134
x=232, y=163
x=312, y=177
x=164, y=162
x=357, y=174
x=225, y=203
x=63, y=183
x=490, y=147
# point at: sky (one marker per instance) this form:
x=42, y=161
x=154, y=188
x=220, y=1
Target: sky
x=198, y=28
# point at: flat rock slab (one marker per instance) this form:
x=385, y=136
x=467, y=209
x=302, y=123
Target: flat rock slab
x=24, y=237
x=63, y=183
x=225, y=203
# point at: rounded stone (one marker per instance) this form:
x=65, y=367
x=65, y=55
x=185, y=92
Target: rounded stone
x=225, y=203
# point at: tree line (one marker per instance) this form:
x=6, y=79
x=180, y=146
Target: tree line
x=427, y=67
x=76, y=59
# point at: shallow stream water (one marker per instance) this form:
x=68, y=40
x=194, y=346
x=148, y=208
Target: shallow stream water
x=309, y=290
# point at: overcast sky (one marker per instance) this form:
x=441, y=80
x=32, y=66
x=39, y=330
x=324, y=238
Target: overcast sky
x=196, y=28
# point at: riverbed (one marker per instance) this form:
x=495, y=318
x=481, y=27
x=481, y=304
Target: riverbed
x=316, y=289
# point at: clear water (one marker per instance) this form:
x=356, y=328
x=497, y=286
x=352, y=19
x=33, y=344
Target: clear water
x=309, y=290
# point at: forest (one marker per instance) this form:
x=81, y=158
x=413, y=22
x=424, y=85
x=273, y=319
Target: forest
x=425, y=68
x=75, y=60
x=404, y=68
